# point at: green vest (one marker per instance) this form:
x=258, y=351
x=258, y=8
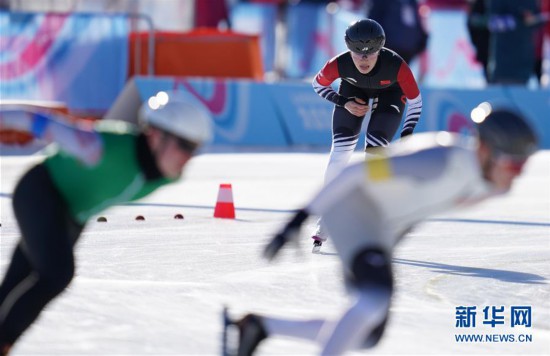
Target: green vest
x=116, y=178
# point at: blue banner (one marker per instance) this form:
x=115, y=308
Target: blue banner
x=307, y=118
x=280, y=114
x=242, y=110
x=449, y=110
x=79, y=59
x=536, y=105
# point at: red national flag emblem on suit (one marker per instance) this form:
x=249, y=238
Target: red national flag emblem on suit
x=385, y=82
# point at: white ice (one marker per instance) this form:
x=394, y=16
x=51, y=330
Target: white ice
x=157, y=287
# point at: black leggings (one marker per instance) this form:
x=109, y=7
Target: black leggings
x=43, y=261
x=370, y=268
x=387, y=111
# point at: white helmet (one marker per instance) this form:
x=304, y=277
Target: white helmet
x=178, y=114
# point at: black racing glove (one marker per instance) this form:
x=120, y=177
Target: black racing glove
x=290, y=232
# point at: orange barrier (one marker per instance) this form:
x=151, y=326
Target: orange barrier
x=200, y=53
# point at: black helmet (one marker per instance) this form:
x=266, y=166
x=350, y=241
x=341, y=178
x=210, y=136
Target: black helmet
x=505, y=131
x=365, y=36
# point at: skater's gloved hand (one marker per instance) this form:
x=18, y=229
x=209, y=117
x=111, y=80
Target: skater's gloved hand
x=357, y=106
x=275, y=245
x=290, y=232
x=20, y=125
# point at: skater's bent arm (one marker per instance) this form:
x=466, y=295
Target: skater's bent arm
x=414, y=109
x=78, y=140
x=323, y=80
x=414, y=99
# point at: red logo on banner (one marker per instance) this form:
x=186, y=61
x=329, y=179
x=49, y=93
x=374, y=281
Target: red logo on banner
x=215, y=103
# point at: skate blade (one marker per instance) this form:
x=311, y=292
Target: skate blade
x=316, y=249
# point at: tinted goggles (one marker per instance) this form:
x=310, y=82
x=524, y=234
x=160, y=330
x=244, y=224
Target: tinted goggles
x=186, y=145
x=510, y=163
x=363, y=55
x=183, y=144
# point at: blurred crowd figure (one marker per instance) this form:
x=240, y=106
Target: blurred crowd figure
x=405, y=33
x=543, y=45
x=508, y=38
x=511, y=37
x=211, y=13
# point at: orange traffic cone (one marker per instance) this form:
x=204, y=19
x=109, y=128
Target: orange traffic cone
x=224, y=206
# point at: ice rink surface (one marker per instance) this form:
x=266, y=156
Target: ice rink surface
x=157, y=287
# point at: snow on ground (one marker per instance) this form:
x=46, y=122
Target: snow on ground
x=157, y=287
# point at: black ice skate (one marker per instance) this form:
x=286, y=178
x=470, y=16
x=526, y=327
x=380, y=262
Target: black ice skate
x=251, y=333
x=316, y=245
x=319, y=236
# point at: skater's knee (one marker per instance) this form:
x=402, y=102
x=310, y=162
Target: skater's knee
x=377, y=139
x=343, y=132
x=371, y=270
x=343, y=135
x=55, y=279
